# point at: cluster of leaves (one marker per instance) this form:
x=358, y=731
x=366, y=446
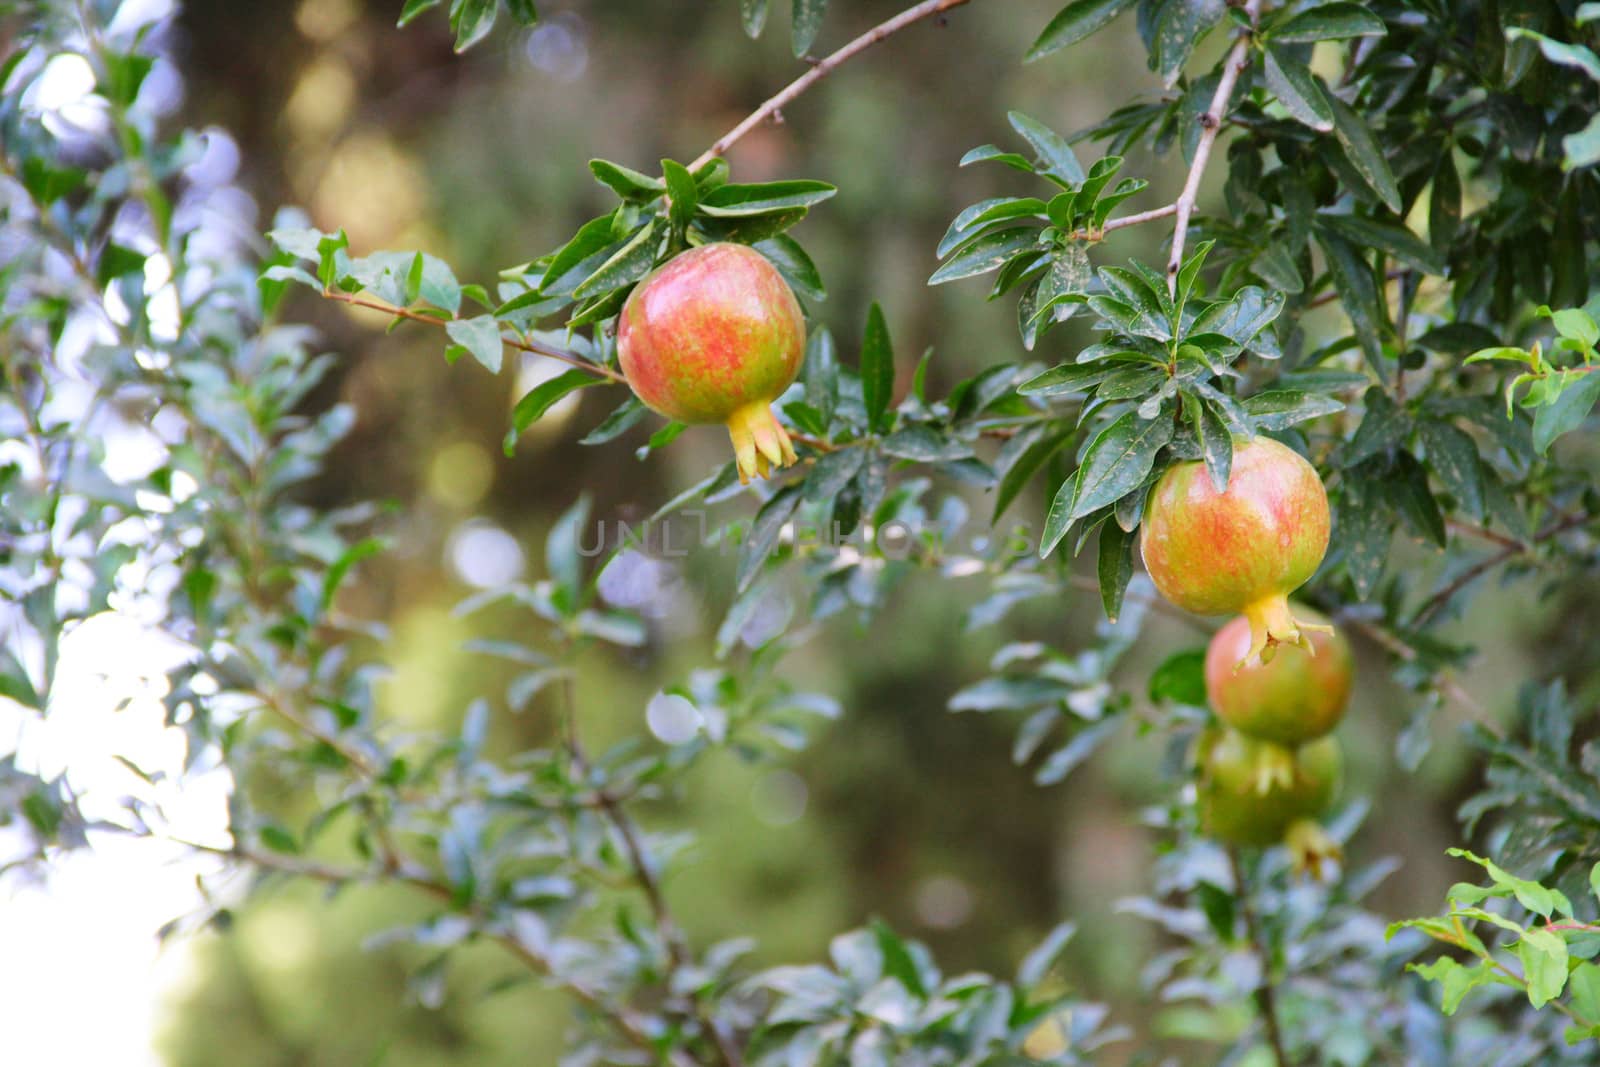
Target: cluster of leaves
x=1038, y=246
x=1561, y=397
x=1554, y=951
x=473, y=20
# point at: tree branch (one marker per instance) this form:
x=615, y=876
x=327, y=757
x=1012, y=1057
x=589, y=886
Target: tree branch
x=1266, y=993
x=537, y=348
x=1210, y=126
x=822, y=69
x=1433, y=604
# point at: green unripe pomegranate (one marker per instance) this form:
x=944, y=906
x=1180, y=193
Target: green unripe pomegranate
x=1235, y=809
x=1243, y=550
x=1298, y=696
x=714, y=336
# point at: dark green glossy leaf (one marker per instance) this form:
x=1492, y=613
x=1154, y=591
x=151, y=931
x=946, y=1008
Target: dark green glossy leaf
x=472, y=20
x=681, y=189
x=1329, y=22
x=990, y=153
x=766, y=197
x=413, y=8
x=796, y=267
x=1055, y=155
x=1408, y=489
x=1278, y=409
x=541, y=398
x=1358, y=295
x=627, y=265
x=753, y=15
x=1116, y=462
x=764, y=532
x=619, y=422
x=877, y=370
x=626, y=182
x=1395, y=240
x=1453, y=457
x=984, y=254
x=524, y=11
x=1353, y=135
x=1180, y=26
x=1073, y=23
x=1114, y=566
x=1216, y=443
x=1018, y=464
x=807, y=20
x=1298, y=90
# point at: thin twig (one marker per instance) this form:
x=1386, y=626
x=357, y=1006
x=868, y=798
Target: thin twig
x=535, y=347
x=1266, y=993
x=822, y=69
x=644, y=873
x=1210, y=126
x=1433, y=604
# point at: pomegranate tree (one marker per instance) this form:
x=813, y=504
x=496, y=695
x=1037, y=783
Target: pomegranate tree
x=714, y=336
x=1244, y=549
x=1297, y=697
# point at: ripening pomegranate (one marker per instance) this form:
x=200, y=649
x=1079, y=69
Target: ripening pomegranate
x=1234, y=810
x=714, y=336
x=1244, y=550
x=1297, y=697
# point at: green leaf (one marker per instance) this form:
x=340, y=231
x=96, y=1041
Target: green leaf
x=1544, y=965
x=924, y=445
x=1576, y=324
x=524, y=11
x=877, y=370
x=785, y=253
x=1073, y=23
x=541, y=398
x=1329, y=22
x=626, y=182
x=1116, y=463
x=1065, y=380
x=807, y=20
x=1358, y=295
x=1298, y=90
x=1017, y=472
x=1444, y=206
x=1568, y=410
x=764, y=531
x=1408, y=488
x=749, y=229
x=1054, y=152
x=1181, y=25
x=1583, y=148
x=1583, y=985
x=1566, y=55
x=1216, y=443
x=753, y=15
x=1181, y=678
x=480, y=336
x=1453, y=456
x=413, y=8
x=1365, y=530
x=1455, y=979
x=681, y=189
x=472, y=20
x=340, y=567
x=627, y=265
x=984, y=254
x=1530, y=894
x=1398, y=241
x=1114, y=566
x=989, y=153
x=833, y=471
x=1351, y=131
x=619, y=422
x=760, y=199
x=1279, y=409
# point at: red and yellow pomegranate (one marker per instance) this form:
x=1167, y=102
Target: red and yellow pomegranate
x=1235, y=810
x=1297, y=697
x=1244, y=550
x=714, y=336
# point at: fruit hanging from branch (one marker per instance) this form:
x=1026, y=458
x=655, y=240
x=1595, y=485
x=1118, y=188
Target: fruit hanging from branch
x=1234, y=809
x=1243, y=550
x=714, y=336
x=1296, y=698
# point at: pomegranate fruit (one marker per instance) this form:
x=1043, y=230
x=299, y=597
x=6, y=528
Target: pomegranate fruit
x=714, y=336
x=1243, y=550
x=1297, y=697
x=1235, y=810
